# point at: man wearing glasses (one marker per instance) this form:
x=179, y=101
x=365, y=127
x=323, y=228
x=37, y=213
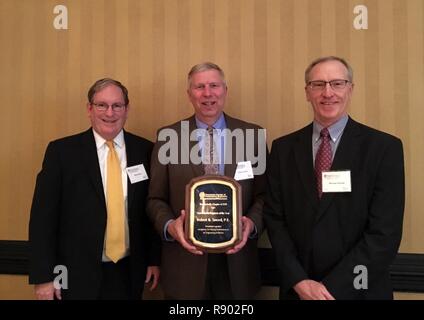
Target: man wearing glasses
x=334, y=209
x=88, y=217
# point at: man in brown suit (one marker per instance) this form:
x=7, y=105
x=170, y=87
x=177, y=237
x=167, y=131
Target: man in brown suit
x=187, y=272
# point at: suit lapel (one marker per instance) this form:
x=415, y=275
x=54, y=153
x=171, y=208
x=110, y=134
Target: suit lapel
x=303, y=156
x=197, y=168
x=347, y=150
x=92, y=160
x=131, y=161
x=231, y=166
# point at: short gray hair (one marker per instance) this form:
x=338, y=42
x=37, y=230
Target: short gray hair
x=204, y=66
x=329, y=58
x=103, y=83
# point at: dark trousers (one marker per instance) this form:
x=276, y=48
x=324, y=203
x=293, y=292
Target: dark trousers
x=218, y=285
x=116, y=281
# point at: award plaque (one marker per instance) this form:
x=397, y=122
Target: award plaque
x=213, y=213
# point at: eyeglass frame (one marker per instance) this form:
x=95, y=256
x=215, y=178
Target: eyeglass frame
x=116, y=107
x=317, y=88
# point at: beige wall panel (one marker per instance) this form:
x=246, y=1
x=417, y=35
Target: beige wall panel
x=344, y=18
x=408, y=296
x=15, y=288
x=234, y=57
x=386, y=80
x=263, y=45
x=287, y=91
x=244, y=106
x=371, y=54
x=273, y=104
x=301, y=56
x=328, y=27
x=356, y=56
x=415, y=130
x=401, y=103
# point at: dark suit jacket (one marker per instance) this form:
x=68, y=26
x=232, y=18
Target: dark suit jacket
x=183, y=274
x=324, y=240
x=68, y=216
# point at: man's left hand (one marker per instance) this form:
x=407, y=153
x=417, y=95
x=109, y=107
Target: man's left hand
x=153, y=272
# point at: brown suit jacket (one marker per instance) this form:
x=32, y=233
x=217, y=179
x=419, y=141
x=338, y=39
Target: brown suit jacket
x=183, y=274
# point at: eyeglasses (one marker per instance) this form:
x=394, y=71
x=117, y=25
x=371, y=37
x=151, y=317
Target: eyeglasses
x=104, y=106
x=320, y=85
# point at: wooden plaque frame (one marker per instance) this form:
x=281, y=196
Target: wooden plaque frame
x=213, y=213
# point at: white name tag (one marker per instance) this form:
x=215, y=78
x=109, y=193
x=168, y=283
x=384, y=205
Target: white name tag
x=336, y=181
x=244, y=171
x=137, y=173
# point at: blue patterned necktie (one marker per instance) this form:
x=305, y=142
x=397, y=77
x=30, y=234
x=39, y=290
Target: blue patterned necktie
x=210, y=157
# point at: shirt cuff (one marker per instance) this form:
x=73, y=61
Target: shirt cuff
x=254, y=233
x=166, y=235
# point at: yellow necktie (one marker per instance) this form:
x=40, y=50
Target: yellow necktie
x=115, y=229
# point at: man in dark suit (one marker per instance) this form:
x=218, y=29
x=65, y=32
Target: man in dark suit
x=187, y=272
x=89, y=218
x=335, y=201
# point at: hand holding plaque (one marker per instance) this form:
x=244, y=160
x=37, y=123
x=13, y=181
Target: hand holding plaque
x=213, y=208
x=176, y=231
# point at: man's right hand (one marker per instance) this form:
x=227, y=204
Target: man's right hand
x=176, y=230
x=312, y=290
x=46, y=291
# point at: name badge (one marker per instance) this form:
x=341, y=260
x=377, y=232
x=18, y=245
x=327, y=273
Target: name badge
x=137, y=173
x=336, y=181
x=244, y=171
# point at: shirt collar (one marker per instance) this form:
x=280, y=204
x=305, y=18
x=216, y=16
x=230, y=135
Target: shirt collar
x=219, y=124
x=335, y=130
x=118, y=140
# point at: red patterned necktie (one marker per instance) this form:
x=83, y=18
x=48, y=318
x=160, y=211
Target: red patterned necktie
x=211, y=163
x=323, y=158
